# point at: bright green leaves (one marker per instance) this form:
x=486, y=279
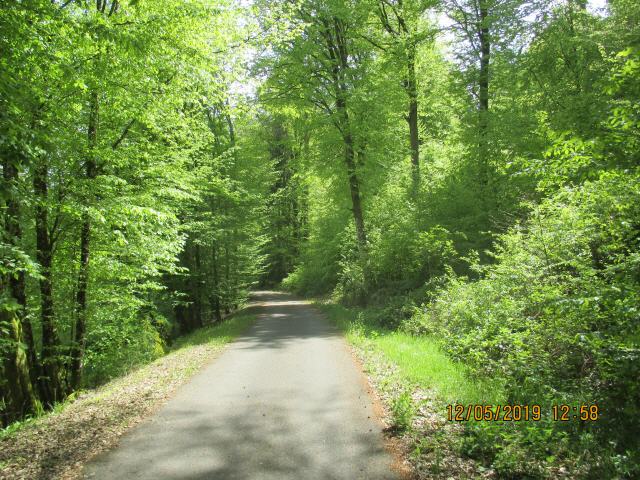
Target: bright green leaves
x=556, y=316
x=116, y=135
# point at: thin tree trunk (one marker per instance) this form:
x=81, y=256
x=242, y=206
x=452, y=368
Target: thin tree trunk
x=227, y=256
x=85, y=237
x=197, y=290
x=403, y=33
x=337, y=50
x=52, y=389
x=216, y=284
x=304, y=218
x=354, y=188
x=414, y=138
x=485, y=55
x=227, y=273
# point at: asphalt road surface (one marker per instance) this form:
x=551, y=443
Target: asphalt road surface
x=284, y=401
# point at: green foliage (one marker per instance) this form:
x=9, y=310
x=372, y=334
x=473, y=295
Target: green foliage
x=515, y=250
x=481, y=200
x=420, y=360
x=131, y=206
x=118, y=345
x=556, y=317
x=402, y=410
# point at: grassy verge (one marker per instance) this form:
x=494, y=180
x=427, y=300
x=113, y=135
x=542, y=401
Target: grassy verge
x=56, y=445
x=419, y=360
x=422, y=362
x=416, y=381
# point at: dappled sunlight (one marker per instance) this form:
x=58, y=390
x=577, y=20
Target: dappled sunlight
x=285, y=401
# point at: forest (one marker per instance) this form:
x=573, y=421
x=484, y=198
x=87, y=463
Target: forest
x=459, y=170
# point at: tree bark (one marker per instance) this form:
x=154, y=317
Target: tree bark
x=16, y=390
x=79, y=339
x=483, y=94
x=51, y=384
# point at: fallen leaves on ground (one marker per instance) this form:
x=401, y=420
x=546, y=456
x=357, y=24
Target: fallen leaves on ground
x=57, y=445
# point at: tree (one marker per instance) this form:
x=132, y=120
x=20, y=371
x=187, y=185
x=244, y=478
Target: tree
x=104, y=120
x=485, y=27
x=402, y=21
x=321, y=67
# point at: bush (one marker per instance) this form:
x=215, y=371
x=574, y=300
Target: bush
x=115, y=347
x=396, y=264
x=402, y=411
x=557, y=316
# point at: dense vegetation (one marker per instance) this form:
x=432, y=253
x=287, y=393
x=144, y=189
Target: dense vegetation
x=509, y=231
x=466, y=169
x=129, y=210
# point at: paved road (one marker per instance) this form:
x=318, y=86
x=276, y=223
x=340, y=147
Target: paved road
x=284, y=401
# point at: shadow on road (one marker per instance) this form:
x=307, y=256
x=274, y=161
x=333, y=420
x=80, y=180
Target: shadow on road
x=285, y=401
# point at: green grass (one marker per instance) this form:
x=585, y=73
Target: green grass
x=419, y=359
x=218, y=334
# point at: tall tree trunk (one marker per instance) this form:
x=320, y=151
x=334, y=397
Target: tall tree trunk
x=354, y=188
x=483, y=94
x=402, y=32
x=216, y=284
x=229, y=291
x=337, y=51
x=17, y=390
x=196, y=287
x=304, y=194
x=51, y=385
x=85, y=237
x=412, y=118
x=18, y=291
x=227, y=272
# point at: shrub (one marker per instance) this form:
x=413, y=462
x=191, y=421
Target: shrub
x=115, y=347
x=557, y=315
x=402, y=410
